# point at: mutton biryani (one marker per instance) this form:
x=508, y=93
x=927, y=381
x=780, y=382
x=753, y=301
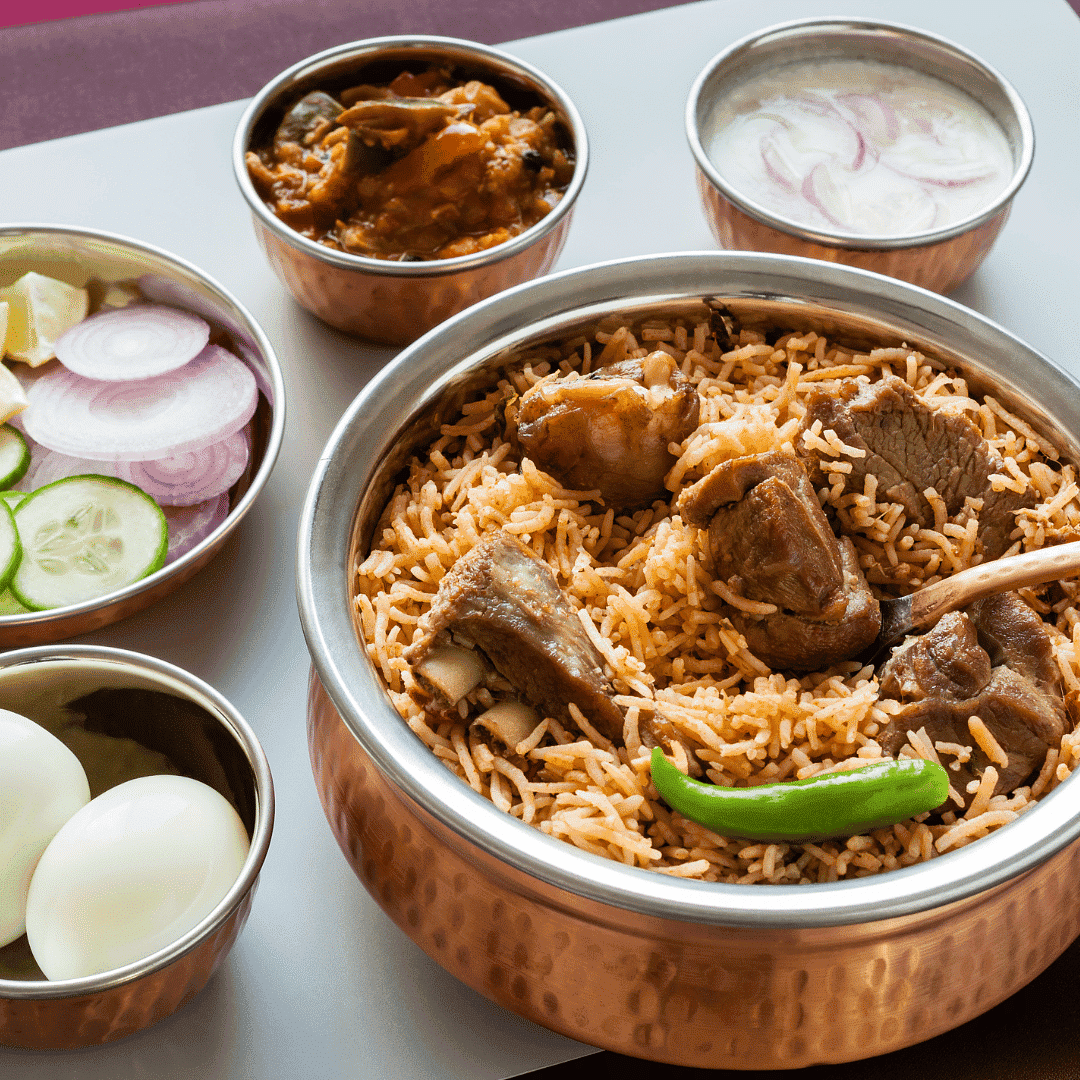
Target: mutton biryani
x=673, y=536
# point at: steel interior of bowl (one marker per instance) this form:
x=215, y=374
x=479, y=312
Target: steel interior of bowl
x=397, y=412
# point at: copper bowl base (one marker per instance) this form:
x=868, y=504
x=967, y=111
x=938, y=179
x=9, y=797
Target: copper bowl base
x=92, y=1019
x=396, y=310
x=683, y=993
x=940, y=267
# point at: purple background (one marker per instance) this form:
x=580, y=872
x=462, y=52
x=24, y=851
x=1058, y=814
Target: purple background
x=64, y=77
x=59, y=78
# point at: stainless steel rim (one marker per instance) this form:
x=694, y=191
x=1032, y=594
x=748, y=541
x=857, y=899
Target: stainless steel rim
x=367, y=430
x=807, y=27
x=455, y=47
x=206, y=696
x=273, y=444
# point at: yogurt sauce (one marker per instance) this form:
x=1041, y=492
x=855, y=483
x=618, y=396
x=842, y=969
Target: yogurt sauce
x=859, y=147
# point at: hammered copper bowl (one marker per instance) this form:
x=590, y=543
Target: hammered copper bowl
x=81, y=255
x=388, y=301
x=712, y=975
x=938, y=259
x=207, y=740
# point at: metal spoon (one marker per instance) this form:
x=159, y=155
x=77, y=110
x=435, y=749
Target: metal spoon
x=922, y=608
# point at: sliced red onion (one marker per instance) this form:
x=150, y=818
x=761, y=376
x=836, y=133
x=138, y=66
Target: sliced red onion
x=920, y=123
x=191, y=477
x=187, y=409
x=941, y=171
x=821, y=191
x=47, y=465
x=181, y=480
x=155, y=287
x=815, y=103
x=860, y=152
x=778, y=118
x=777, y=167
x=874, y=117
x=829, y=132
x=190, y=525
x=129, y=343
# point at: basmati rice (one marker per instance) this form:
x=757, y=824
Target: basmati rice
x=641, y=586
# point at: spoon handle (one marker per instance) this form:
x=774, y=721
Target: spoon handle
x=1001, y=575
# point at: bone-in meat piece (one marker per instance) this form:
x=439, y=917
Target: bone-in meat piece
x=612, y=429
x=312, y=113
x=400, y=123
x=504, y=600
x=993, y=661
x=770, y=542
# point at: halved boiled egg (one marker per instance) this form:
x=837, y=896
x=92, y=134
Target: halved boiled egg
x=131, y=873
x=42, y=784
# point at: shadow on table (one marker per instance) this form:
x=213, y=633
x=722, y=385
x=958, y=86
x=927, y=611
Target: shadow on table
x=1034, y=1035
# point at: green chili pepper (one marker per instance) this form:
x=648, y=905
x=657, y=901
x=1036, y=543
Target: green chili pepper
x=833, y=804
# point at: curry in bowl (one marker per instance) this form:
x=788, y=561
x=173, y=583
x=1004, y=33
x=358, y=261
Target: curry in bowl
x=429, y=165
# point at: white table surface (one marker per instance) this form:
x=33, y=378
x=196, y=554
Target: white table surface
x=321, y=984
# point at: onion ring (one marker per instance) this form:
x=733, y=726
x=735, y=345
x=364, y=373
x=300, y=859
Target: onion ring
x=190, y=525
x=136, y=342
x=187, y=409
x=191, y=477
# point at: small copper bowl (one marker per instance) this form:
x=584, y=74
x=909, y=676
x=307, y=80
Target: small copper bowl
x=711, y=975
x=938, y=259
x=388, y=301
x=210, y=742
x=80, y=255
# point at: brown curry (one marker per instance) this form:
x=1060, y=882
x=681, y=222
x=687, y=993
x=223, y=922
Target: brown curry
x=423, y=168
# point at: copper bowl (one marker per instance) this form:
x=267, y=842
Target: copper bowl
x=79, y=255
x=711, y=975
x=212, y=743
x=388, y=301
x=938, y=259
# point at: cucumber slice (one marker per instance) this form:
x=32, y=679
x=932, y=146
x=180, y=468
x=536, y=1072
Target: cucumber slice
x=14, y=455
x=12, y=498
x=10, y=547
x=9, y=605
x=83, y=537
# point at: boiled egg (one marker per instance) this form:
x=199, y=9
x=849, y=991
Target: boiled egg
x=131, y=873
x=42, y=785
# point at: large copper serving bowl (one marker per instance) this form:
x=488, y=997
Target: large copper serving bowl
x=211, y=743
x=938, y=258
x=712, y=975
x=385, y=300
x=77, y=256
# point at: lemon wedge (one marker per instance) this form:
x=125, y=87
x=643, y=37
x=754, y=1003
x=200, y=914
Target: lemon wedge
x=120, y=294
x=40, y=310
x=12, y=395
